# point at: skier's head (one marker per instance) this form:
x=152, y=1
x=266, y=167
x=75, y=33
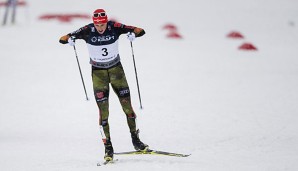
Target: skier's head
x=99, y=16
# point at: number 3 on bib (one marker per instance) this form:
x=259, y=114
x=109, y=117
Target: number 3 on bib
x=105, y=52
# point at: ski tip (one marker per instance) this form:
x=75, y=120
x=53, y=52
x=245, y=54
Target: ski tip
x=107, y=162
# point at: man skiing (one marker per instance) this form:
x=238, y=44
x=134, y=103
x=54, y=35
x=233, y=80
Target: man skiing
x=101, y=37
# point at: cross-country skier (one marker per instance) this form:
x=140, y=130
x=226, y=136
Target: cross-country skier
x=101, y=37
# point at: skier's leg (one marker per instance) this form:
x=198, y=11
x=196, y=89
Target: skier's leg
x=121, y=88
x=8, y=5
x=100, y=80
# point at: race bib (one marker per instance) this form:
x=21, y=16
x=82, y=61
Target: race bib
x=103, y=53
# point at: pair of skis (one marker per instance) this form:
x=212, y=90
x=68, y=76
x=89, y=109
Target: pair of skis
x=143, y=152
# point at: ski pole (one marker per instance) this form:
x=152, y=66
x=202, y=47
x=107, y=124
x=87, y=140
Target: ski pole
x=74, y=47
x=134, y=63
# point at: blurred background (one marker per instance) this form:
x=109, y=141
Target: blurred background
x=218, y=80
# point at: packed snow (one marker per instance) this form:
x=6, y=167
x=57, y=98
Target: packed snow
x=230, y=109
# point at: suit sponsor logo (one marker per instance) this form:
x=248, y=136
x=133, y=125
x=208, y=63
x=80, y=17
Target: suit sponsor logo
x=123, y=92
x=102, y=38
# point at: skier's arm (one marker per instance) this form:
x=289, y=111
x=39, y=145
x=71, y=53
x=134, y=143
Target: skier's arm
x=81, y=33
x=126, y=29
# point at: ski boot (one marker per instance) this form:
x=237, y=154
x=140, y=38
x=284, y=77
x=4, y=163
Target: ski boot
x=109, y=151
x=137, y=143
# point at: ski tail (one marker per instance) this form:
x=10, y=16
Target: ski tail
x=169, y=154
x=152, y=152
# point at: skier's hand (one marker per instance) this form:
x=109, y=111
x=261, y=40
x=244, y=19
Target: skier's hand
x=64, y=39
x=71, y=41
x=131, y=36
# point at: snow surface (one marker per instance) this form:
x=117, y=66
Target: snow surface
x=231, y=109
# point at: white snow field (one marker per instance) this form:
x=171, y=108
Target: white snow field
x=233, y=110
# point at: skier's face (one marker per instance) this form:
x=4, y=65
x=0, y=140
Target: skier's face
x=101, y=27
